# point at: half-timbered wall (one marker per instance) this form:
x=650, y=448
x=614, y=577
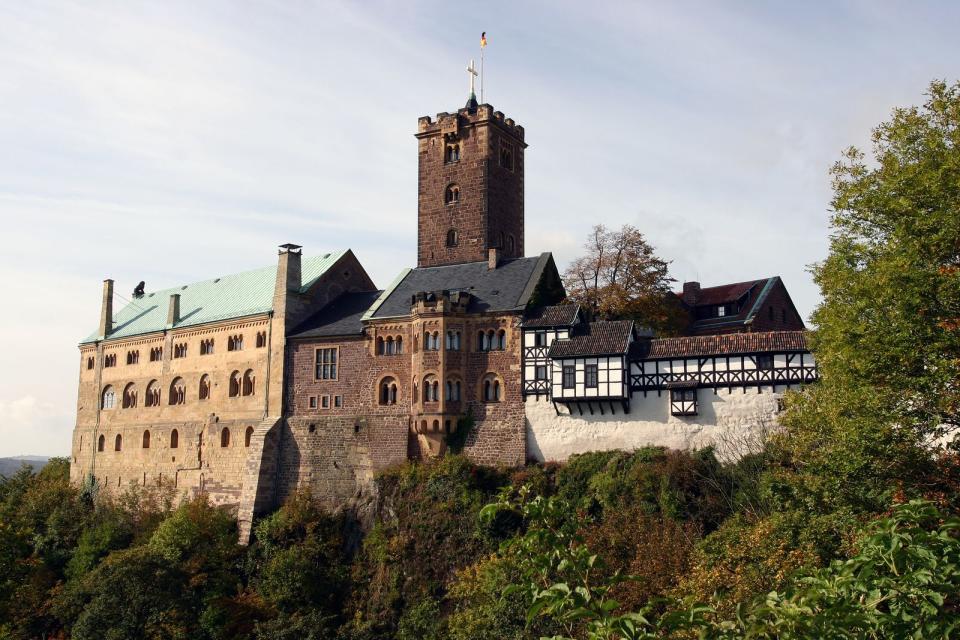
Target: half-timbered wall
x=611, y=378
x=734, y=371
x=535, y=355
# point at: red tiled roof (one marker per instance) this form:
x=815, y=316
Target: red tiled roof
x=726, y=344
x=725, y=293
x=598, y=338
x=560, y=315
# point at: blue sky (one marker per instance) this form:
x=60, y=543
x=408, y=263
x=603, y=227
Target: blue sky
x=176, y=141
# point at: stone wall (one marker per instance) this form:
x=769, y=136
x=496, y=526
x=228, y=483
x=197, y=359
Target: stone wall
x=734, y=423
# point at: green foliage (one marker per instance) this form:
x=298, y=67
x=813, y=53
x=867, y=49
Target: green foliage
x=298, y=559
x=888, y=338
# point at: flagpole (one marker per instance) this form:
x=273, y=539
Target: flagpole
x=481, y=73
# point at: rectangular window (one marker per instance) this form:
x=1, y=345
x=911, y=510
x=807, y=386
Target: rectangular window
x=569, y=377
x=590, y=376
x=721, y=311
x=765, y=362
x=324, y=402
x=313, y=402
x=541, y=372
x=326, y=364
x=540, y=339
x=338, y=401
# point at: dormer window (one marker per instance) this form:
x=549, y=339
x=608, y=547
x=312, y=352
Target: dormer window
x=452, y=194
x=453, y=238
x=721, y=311
x=451, y=153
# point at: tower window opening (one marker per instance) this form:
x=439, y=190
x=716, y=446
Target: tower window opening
x=453, y=238
x=452, y=194
x=452, y=153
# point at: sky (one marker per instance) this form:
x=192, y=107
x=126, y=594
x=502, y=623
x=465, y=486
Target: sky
x=177, y=141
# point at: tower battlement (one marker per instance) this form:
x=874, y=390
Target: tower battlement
x=484, y=113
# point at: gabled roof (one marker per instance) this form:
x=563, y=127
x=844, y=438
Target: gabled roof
x=558, y=315
x=725, y=292
x=751, y=294
x=232, y=296
x=506, y=288
x=342, y=317
x=605, y=338
x=726, y=344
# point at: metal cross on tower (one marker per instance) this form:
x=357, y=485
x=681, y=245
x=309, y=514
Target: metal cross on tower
x=472, y=71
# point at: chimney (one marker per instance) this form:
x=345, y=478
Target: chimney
x=493, y=257
x=173, y=311
x=288, y=269
x=106, y=310
x=691, y=292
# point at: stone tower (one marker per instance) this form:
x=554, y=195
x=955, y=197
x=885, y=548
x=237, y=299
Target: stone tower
x=470, y=186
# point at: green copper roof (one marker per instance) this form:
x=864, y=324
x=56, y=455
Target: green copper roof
x=234, y=296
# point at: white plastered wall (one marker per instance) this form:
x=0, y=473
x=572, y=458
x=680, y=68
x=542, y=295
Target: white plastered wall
x=734, y=422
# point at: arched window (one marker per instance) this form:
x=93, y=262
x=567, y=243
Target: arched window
x=492, y=388
x=431, y=389
x=398, y=344
x=261, y=339
x=129, y=396
x=387, y=391
x=234, y=384
x=501, y=340
x=101, y=442
x=118, y=443
x=511, y=245
x=248, y=383
x=506, y=158
x=453, y=390
x=174, y=439
x=225, y=437
x=501, y=240
x=416, y=391
x=108, y=400
x=146, y=440
x=235, y=343
x=453, y=238
x=483, y=344
x=381, y=349
x=153, y=394
x=451, y=153
x=90, y=362
x=178, y=392
x=247, y=435
x=452, y=194
x=389, y=346
x=204, y=393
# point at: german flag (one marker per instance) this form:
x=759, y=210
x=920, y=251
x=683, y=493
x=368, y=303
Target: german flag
x=483, y=39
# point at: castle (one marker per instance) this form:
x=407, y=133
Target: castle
x=250, y=386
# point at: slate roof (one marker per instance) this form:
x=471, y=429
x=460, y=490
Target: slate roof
x=560, y=315
x=726, y=344
x=611, y=337
x=232, y=296
x=506, y=288
x=342, y=317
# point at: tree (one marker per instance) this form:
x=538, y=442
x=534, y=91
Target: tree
x=890, y=317
x=620, y=277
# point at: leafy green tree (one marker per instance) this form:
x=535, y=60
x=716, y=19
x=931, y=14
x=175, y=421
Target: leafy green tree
x=890, y=317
